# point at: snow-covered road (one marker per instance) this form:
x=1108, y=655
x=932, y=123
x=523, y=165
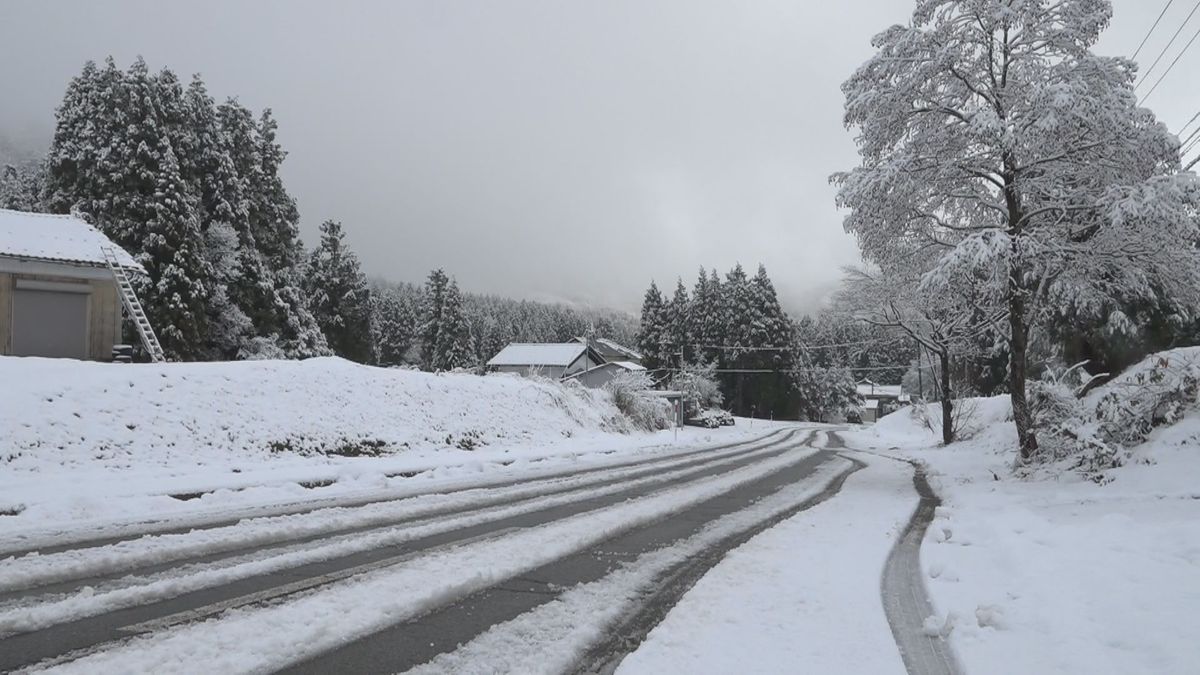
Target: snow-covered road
x=416, y=576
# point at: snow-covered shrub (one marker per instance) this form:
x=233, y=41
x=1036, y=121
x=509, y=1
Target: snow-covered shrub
x=1146, y=399
x=919, y=412
x=963, y=417
x=1094, y=438
x=631, y=394
x=261, y=348
x=1051, y=403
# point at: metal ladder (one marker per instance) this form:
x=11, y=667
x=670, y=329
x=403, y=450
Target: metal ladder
x=133, y=307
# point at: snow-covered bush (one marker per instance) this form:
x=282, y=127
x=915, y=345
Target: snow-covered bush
x=1148, y=398
x=963, y=417
x=631, y=394
x=1098, y=434
x=1052, y=402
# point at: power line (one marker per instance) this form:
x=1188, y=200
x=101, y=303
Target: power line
x=1151, y=31
x=1169, y=43
x=764, y=371
x=1189, y=123
x=1172, y=66
x=1190, y=136
x=791, y=347
x=1187, y=145
x=1186, y=150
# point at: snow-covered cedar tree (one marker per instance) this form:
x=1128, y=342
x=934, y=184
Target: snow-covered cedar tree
x=704, y=317
x=156, y=168
x=454, y=334
x=652, y=329
x=989, y=131
x=339, y=296
x=676, y=335
x=630, y=392
x=698, y=382
x=445, y=334
x=826, y=394
x=229, y=329
x=432, y=302
x=393, y=319
x=23, y=186
x=113, y=158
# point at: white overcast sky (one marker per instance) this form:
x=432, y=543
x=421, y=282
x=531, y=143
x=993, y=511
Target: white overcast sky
x=550, y=150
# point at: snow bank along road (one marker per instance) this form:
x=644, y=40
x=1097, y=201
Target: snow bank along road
x=569, y=571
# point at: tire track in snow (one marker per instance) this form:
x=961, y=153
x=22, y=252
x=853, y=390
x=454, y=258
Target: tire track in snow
x=362, y=606
x=68, y=570
x=45, y=543
x=905, y=598
x=132, y=591
x=624, y=605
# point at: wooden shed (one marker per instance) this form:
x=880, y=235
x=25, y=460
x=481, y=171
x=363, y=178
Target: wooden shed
x=58, y=297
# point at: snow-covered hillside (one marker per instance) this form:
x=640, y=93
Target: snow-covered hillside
x=85, y=440
x=1055, y=572
x=71, y=413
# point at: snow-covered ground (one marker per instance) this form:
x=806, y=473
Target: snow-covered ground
x=87, y=445
x=801, y=597
x=1055, y=573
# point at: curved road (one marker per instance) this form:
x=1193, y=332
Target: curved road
x=73, y=602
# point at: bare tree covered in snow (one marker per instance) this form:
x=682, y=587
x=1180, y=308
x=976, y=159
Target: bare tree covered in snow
x=946, y=325
x=990, y=134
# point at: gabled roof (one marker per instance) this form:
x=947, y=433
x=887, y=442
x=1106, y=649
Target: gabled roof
x=538, y=354
x=867, y=388
x=612, y=351
x=57, y=238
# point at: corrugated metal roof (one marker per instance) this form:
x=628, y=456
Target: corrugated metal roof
x=45, y=236
x=538, y=354
x=628, y=365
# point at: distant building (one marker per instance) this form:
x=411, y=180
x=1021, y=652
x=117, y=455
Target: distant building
x=57, y=296
x=553, y=360
x=880, y=399
x=602, y=374
x=611, y=351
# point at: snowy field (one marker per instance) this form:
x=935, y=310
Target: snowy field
x=1056, y=573
x=91, y=444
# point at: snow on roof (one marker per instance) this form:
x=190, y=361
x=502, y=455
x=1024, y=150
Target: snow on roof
x=607, y=348
x=623, y=365
x=871, y=404
x=538, y=354
x=45, y=236
x=629, y=353
x=869, y=388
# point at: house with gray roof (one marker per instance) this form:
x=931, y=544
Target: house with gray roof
x=554, y=360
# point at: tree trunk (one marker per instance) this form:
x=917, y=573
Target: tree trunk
x=1019, y=344
x=1017, y=322
x=947, y=400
